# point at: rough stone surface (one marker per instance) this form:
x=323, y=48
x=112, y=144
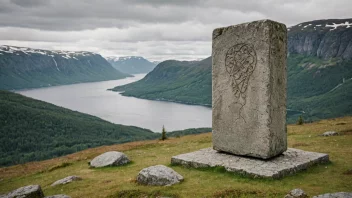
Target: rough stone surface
x=32, y=191
x=249, y=89
x=66, y=180
x=335, y=195
x=329, y=133
x=111, y=158
x=158, y=175
x=296, y=193
x=58, y=196
x=290, y=162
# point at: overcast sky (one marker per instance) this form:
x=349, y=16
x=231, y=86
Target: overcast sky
x=155, y=29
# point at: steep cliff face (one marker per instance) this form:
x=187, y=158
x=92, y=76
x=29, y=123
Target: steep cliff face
x=325, y=39
x=22, y=68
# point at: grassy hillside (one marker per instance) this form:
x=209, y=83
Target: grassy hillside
x=179, y=81
x=120, y=181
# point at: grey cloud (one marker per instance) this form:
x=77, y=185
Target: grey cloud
x=156, y=29
x=90, y=14
x=30, y=3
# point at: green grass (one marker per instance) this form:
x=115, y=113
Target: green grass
x=211, y=182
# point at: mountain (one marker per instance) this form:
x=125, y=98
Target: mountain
x=131, y=64
x=325, y=39
x=319, y=66
x=23, y=68
x=32, y=130
x=178, y=81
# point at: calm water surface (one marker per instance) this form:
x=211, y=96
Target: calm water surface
x=94, y=99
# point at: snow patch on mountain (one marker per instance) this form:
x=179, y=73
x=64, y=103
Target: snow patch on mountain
x=334, y=25
x=30, y=51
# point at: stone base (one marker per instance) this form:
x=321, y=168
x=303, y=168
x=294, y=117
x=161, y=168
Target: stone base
x=288, y=163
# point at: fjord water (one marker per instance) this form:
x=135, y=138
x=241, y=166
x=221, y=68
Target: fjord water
x=93, y=98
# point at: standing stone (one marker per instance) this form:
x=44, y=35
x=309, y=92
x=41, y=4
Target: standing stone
x=249, y=89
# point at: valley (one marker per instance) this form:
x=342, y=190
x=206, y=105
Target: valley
x=317, y=64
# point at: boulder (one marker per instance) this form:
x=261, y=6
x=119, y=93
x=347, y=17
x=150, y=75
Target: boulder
x=335, y=195
x=158, y=175
x=32, y=191
x=111, y=158
x=58, y=196
x=330, y=133
x=296, y=193
x=66, y=180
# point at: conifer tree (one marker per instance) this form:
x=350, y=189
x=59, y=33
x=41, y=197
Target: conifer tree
x=300, y=120
x=163, y=134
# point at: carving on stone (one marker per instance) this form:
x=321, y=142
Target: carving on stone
x=240, y=62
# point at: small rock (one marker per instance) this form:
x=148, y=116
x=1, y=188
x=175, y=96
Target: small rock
x=158, y=175
x=66, y=180
x=111, y=158
x=32, y=191
x=335, y=195
x=348, y=172
x=330, y=133
x=58, y=196
x=296, y=193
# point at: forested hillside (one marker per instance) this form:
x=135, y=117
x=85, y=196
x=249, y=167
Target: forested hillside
x=180, y=81
x=319, y=66
x=34, y=130
x=22, y=68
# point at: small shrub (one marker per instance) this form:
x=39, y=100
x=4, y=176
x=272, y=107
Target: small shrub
x=300, y=120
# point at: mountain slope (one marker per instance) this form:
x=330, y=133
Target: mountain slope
x=22, y=68
x=34, y=130
x=320, y=59
x=181, y=81
x=324, y=39
x=131, y=64
x=204, y=182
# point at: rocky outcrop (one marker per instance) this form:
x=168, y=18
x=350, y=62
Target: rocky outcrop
x=111, y=158
x=329, y=133
x=335, y=195
x=158, y=175
x=32, y=191
x=296, y=193
x=325, y=39
x=66, y=180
